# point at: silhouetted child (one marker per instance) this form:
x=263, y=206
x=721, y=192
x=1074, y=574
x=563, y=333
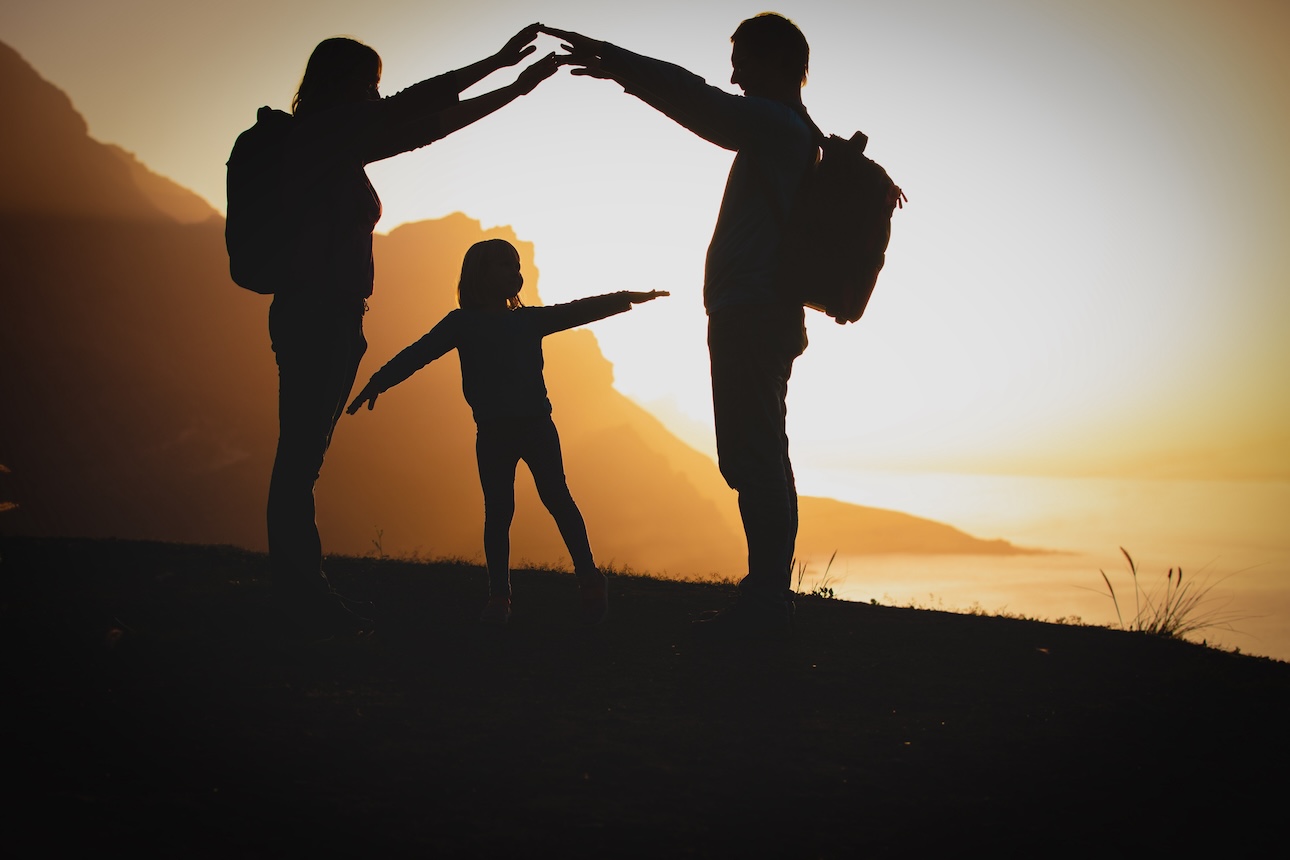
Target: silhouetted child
x=499, y=342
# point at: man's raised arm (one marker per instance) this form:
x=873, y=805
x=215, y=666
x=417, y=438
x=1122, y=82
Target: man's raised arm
x=712, y=113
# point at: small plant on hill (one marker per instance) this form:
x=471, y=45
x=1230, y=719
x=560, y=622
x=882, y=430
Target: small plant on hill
x=1172, y=609
x=822, y=587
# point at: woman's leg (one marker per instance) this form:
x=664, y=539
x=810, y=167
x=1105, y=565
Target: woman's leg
x=497, y=454
x=541, y=452
x=317, y=351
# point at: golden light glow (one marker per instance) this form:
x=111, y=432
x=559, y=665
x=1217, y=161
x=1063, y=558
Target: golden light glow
x=1094, y=238
x=1089, y=280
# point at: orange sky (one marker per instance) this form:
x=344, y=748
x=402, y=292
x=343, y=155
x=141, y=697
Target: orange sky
x=1090, y=277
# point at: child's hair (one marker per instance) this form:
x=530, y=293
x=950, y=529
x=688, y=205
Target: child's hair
x=474, y=289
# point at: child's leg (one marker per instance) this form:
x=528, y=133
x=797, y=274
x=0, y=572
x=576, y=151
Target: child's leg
x=497, y=453
x=541, y=451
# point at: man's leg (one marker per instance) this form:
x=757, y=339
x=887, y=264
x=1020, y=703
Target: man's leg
x=752, y=351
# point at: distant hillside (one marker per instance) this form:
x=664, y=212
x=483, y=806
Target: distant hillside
x=140, y=389
x=855, y=530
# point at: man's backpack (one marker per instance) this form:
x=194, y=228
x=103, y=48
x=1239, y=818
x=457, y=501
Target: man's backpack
x=259, y=227
x=835, y=237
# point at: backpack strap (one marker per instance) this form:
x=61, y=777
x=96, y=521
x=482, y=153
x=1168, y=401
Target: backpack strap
x=820, y=137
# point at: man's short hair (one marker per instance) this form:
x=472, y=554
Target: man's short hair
x=778, y=39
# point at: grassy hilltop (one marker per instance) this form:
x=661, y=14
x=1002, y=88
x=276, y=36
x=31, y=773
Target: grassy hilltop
x=153, y=709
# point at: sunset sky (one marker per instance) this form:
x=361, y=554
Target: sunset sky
x=1090, y=278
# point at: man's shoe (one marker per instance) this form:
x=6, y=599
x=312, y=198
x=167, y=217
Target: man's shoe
x=497, y=611
x=748, y=618
x=594, y=591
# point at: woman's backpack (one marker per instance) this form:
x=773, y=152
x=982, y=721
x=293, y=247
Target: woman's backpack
x=259, y=224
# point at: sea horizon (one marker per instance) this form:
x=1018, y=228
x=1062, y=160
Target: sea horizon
x=1226, y=536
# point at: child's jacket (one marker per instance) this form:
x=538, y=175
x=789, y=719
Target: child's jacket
x=501, y=353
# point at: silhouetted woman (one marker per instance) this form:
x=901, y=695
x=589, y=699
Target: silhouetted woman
x=339, y=124
x=499, y=342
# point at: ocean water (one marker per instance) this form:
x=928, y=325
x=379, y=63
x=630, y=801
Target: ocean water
x=1230, y=537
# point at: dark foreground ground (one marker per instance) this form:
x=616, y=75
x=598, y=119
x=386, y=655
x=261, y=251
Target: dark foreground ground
x=151, y=709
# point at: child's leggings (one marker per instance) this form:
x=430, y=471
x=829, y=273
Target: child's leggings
x=499, y=445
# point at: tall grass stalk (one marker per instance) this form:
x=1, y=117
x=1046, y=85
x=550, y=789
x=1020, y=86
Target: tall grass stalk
x=822, y=587
x=1173, y=609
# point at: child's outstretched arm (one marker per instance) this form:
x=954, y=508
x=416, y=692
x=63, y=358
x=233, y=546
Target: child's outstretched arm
x=550, y=319
x=433, y=344
x=638, y=298
x=368, y=395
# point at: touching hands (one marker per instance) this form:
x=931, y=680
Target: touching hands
x=539, y=72
x=583, y=56
x=584, y=52
x=518, y=47
x=638, y=298
x=368, y=395
x=580, y=47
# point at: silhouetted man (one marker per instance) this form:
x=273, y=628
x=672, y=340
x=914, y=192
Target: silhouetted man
x=754, y=333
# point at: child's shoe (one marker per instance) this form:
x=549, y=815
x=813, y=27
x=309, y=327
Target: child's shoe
x=595, y=598
x=497, y=612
